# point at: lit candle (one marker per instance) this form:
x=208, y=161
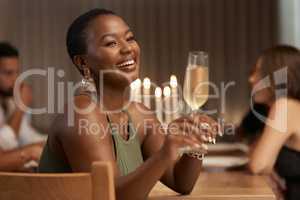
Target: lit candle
x=158, y=104
x=137, y=93
x=135, y=90
x=175, y=105
x=132, y=91
x=146, y=92
x=167, y=104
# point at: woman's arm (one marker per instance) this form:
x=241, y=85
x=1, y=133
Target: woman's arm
x=182, y=175
x=278, y=129
x=82, y=147
x=14, y=160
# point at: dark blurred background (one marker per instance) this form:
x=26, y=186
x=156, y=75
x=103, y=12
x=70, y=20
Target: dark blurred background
x=233, y=32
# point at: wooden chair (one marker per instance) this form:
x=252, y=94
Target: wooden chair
x=97, y=185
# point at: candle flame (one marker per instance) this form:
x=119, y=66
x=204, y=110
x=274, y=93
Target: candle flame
x=158, y=92
x=147, y=83
x=136, y=84
x=167, y=91
x=173, y=81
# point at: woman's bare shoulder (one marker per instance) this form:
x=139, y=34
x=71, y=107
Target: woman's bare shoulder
x=294, y=103
x=286, y=105
x=284, y=114
x=82, y=110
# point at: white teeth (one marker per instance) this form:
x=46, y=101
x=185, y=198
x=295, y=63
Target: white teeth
x=129, y=62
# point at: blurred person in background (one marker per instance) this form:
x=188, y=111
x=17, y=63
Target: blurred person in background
x=275, y=146
x=19, y=141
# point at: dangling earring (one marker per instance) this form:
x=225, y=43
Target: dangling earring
x=86, y=77
x=87, y=82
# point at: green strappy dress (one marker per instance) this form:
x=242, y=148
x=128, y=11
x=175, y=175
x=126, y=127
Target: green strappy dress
x=128, y=153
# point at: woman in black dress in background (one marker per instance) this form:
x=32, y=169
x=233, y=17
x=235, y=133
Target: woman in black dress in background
x=278, y=144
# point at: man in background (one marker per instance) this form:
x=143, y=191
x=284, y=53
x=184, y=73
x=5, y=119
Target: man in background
x=19, y=141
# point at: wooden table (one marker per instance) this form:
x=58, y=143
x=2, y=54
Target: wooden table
x=221, y=185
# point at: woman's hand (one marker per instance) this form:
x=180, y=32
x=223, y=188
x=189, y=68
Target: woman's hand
x=33, y=152
x=209, y=128
x=189, y=133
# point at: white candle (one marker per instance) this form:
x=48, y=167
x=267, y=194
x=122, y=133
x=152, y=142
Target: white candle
x=167, y=104
x=158, y=104
x=132, y=91
x=135, y=90
x=175, y=105
x=146, y=92
x=138, y=95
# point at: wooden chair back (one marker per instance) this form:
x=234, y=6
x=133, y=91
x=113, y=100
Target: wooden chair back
x=97, y=185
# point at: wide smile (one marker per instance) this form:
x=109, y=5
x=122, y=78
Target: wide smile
x=127, y=66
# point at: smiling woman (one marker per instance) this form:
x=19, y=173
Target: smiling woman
x=127, y=134
x=106, y=43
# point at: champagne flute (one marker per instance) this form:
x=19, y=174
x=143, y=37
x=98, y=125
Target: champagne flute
x=196, y=83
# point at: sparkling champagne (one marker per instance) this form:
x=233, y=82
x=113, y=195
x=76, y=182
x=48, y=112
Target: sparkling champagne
x=196, y=86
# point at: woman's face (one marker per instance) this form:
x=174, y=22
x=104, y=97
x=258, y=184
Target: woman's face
x=263, y=96
x=112, y=50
